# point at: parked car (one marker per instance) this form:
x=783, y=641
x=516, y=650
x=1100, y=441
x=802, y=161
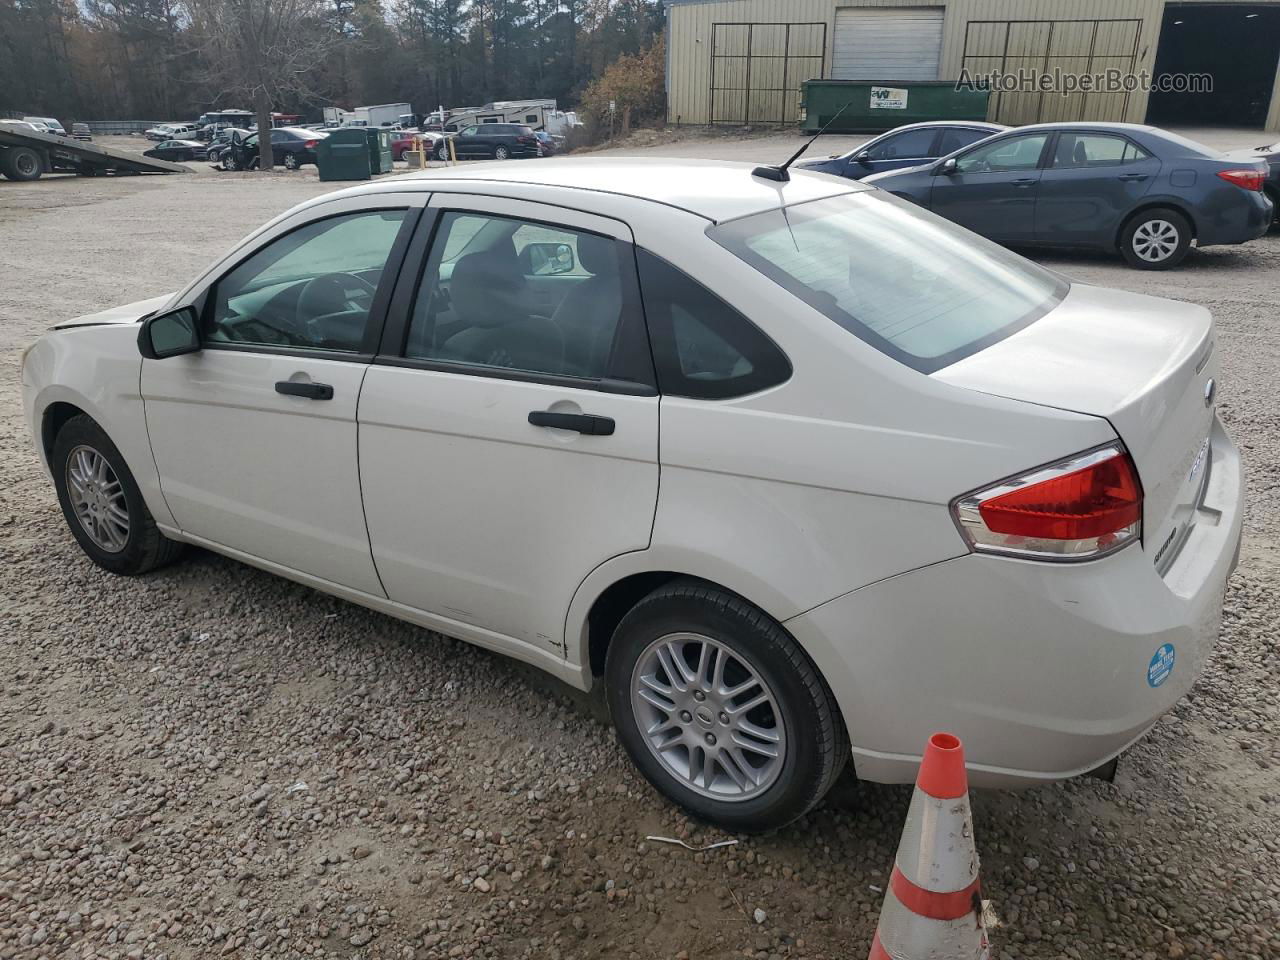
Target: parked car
x=178, y=150
x=291, y=147
x=910, y=481
x=81, y=131
x=498, y=141
x=49, y=125
x=220, y=142
x=905, y=146
x=402, y=141
x=1270, y=155
x=1111, y=186
x=547, y=145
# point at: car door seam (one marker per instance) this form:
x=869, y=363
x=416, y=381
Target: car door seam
x=364, y=514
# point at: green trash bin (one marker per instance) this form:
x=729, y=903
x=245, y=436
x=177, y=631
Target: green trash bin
x=380, y=156
x=344, y=154
x=885, y=104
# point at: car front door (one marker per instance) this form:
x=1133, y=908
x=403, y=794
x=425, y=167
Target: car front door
x=464, y=144
x=992, y=188
x=1091, y=182
x=505, y=453
x=893, y=152
x=254, y=436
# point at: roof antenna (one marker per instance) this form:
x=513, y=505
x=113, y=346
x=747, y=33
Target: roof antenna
x=779, y=174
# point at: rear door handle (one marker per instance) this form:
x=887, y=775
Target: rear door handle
x=304, y=388
x=1132, y=176
x=1025, y=182
x=581, y=422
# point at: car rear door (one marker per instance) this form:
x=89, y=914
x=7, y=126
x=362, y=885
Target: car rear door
x=992, y=190
x=254, y=436
x=504, y=454
x=1091, y=181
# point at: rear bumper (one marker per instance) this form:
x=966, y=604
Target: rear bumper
x=1047, y=671
x=1237, y=222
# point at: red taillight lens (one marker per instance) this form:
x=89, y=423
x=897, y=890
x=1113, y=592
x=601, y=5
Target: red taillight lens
x=311, y=144
x=1076, y=509
x=1249, y=179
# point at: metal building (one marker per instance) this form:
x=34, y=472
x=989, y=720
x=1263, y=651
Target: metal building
x=743, y=61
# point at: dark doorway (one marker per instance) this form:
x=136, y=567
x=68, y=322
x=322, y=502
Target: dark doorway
x=1238, y=45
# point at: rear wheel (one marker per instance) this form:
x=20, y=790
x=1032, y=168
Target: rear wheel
x=291, y=161
x=102, y=503
x=1156, y=239
x=501, y=153
x=721, y=710
x=21, y=163
x=1275, y=207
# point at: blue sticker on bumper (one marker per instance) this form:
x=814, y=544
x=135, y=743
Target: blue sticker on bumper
x=1161, y=666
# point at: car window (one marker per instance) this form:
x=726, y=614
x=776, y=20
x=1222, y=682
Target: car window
x=956, y=137
x=703, y=348
x=914, y=286
x=1095, y=150
x=470, y=131
x=310, y=289
x=910, y=144
x=484, y=297
x=1014, y=153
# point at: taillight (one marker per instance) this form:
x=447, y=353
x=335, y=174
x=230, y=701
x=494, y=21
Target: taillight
x=1076, y=509
x=526, y=139
x=1249, y=179
x=311, y=144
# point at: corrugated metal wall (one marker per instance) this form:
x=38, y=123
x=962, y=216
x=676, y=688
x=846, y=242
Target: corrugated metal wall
x=1101, y=33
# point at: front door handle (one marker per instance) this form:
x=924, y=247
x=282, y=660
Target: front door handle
x=304, y=388
x=581, y=422
x=1132, y=176
x=1025, y=182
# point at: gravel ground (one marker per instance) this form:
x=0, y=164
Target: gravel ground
x=213, y=762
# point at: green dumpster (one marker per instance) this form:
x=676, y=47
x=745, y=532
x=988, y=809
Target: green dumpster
x=380, y=157
x=344, y=154
x=885, y=104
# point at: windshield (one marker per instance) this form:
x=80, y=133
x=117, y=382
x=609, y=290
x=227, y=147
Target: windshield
x=914, y=286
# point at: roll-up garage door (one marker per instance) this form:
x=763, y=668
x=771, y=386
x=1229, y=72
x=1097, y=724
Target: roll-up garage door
x=887, y=43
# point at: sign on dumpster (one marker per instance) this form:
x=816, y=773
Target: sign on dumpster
x=888, y=98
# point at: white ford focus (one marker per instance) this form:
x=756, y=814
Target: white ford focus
x=793, y=471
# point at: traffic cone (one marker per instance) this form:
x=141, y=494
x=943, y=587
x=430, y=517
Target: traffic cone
x=933, y=907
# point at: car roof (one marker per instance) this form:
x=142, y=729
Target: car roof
x=718, y=190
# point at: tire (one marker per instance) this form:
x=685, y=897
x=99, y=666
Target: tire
x=291, y=161
x=1156, y=239
x=1274, y=195
x=442, y=150
x=229, y=163
x=501, y=153
x=799, y=713
x=21, y=163
x=141, y=547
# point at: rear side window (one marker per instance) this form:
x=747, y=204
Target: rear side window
x=913, y=144
x=957, y=137
x=914, y=286
x=1095, y=150
x=702, y=347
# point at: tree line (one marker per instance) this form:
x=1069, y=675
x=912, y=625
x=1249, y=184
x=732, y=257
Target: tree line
x=174, y=59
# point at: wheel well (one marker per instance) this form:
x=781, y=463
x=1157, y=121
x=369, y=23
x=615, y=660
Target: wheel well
x=55, y=415
x=612, y=605
x=1156, y=205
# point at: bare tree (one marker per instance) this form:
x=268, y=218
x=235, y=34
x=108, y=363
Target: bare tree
x=263, y=50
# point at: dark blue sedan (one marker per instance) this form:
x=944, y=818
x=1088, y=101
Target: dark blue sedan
x=1143, y=191
x=905, y=146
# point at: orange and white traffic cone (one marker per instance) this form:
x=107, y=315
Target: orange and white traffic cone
x=933, y=907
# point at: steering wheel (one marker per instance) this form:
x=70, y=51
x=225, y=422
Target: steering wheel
x=325, y=296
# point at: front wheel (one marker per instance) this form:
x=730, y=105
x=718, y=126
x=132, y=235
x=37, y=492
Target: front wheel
x=501, y=153
x=1156, y=239
x=721, y=710
x=102, y=503
x=229, y=163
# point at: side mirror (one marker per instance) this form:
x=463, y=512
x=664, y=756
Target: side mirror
x=549, y=259
x=169, y=334
x=947, y=167
x=863, y=156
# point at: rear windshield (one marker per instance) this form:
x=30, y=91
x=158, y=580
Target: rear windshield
x=914, y=286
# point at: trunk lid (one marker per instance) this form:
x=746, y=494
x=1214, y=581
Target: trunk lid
x=1149, y=366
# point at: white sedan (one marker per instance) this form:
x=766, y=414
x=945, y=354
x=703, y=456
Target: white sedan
x=791, y=472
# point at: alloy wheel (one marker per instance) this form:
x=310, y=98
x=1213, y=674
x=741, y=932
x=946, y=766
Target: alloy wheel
x=97, y=497
x=708, y=716
x=501, y=153
x=1155, y=240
